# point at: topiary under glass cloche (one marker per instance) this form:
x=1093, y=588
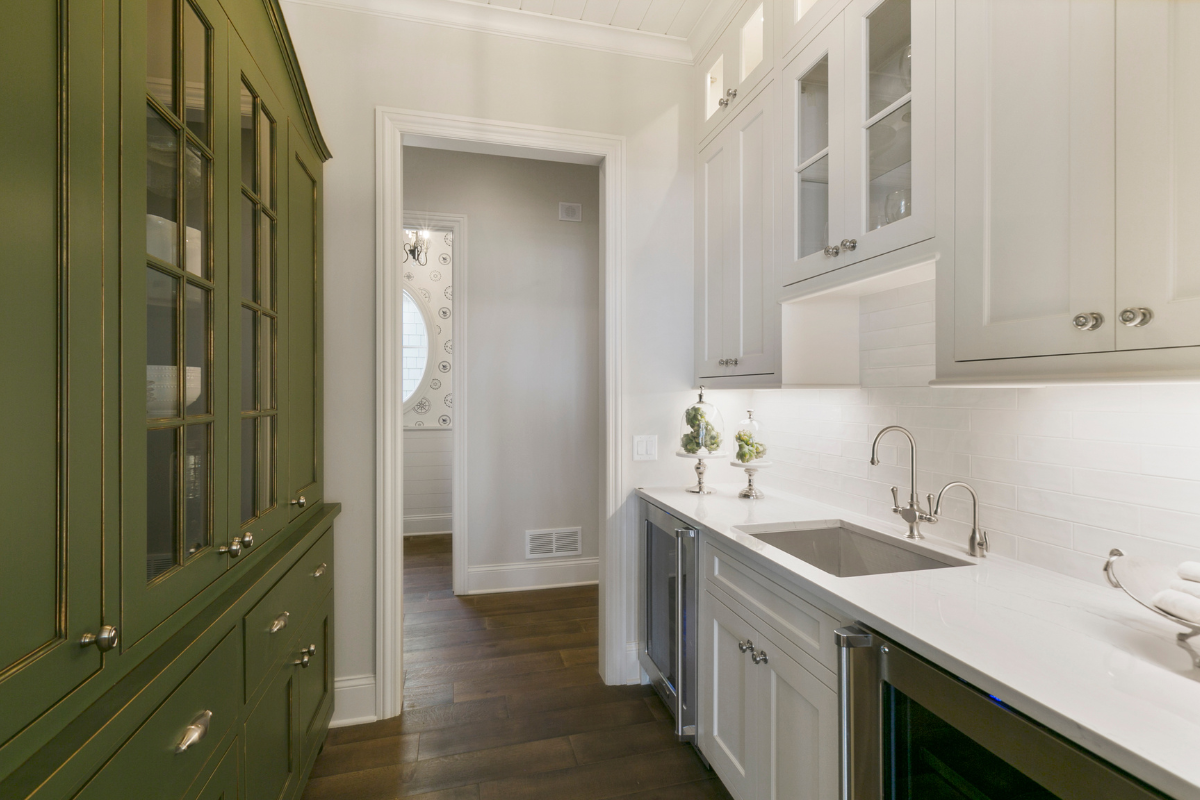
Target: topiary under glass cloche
x=702, y=431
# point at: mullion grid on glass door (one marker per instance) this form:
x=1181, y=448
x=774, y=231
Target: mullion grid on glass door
x=258, y=311
x=179, y=285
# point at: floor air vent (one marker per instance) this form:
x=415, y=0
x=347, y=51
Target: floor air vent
x=553, y=542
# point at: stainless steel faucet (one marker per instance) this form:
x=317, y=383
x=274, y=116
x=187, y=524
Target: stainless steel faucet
x=913, y=514
x=978, y=545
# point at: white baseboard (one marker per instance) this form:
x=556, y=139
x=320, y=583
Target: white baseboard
x=523, y=576
x=353, y=701
x=426, y=524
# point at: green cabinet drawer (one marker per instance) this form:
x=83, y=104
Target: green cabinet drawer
x=314, y=683
x=151, y=765
x=270, y=627
x=271, y=751
x=222, y=784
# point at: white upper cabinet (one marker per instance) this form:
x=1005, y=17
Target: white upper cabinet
x=1157, y=172
x=737, y=315
x=863, y=91
x=1034, y=190
x=735, y=66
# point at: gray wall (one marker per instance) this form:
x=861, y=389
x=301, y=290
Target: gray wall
x=532, y=300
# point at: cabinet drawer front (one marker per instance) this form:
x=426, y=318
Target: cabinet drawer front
x=272, y=625
x=270, y=755
x=150, y=757
x=801, y=623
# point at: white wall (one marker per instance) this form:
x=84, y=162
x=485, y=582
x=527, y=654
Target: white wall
x=1064, y=473
x=428, y=461
x=354, y=62
x=532, y=353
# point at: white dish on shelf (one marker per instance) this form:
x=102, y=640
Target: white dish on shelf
x=162, y=389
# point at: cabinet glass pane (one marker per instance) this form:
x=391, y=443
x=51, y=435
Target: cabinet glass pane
x=195, y=489
x=812, y=204
x=160, y=51
x=266, y=362
x=248, y=365
x=162, y=480
x=266, y=261
x=752, y=42
x=714, y=87
x=265, y=497
x=889, y=54
x=162, y=187
x=195, y=73
x=247, y=265
x=890, y=168
x=247, y=479
x=162, y=355
x=196, y=317
x=196, y=171
x=247, y=109
x=813, y=112
x=266, y=157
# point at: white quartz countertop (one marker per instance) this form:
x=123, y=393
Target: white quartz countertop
x=1084, y=660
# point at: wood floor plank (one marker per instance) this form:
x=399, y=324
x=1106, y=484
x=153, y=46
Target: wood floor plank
x=430, y=674
x=444, y=626
x=340, y=759
x=383, y=783
x=655, y=703
x=648, y=737
x=499, y=647
x=538, y=700
x=416, y=720
x=581, y=655
x=492, y=686
x=496, y=763
x=640, y=773
x=414, y=644
x=589, y=611
x=552, y=724
x=457, y=793
x=584, y=608
x=711, y=789
x=435, y=695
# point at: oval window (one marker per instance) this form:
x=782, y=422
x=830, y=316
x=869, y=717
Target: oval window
x=414, y=362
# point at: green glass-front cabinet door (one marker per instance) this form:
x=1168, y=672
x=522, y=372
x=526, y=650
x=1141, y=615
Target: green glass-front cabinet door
x=51, y=362
x=174, y=290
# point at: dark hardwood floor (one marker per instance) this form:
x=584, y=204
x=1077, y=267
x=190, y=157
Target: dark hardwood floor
x=503, y=700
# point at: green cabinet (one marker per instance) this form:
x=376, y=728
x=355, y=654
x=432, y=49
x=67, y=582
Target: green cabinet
x=160, y=217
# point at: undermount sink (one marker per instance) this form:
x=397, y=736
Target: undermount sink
x=846, y=550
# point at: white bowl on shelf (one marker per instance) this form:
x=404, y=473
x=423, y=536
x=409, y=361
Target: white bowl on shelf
x=162, y=389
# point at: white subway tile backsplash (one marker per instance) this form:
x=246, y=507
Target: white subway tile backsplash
x=1064, y=473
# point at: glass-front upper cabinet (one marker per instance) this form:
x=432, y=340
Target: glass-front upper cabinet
x=735, y=66
x=173, y=287
x=255, y=303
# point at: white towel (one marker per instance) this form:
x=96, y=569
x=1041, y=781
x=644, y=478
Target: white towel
x=1187, y=587
x=1178, y=604
x=1190, y=570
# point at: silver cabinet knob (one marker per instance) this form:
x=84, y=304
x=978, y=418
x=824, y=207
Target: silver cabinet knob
x=760, y=657
x=247, y=540
x=195, y=732
x=234, y=549
x=832, y=250
x=306, y=656
x=849, y=245
x=300, y=501
x=1088, y=321
x=280, y=623
x=1135, y=317
x=319, y=571
x=746, y=646
x=728, y=98
x=105, y=640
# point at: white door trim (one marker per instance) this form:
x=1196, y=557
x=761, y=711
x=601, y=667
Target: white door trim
x=392, y=126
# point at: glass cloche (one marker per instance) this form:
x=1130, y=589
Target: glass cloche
x=748, y=440
x=702, y=431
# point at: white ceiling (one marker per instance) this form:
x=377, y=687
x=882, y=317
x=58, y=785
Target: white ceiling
x=665, y=17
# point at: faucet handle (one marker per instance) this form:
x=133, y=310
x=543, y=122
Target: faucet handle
x=931, y=517
x=895, y=500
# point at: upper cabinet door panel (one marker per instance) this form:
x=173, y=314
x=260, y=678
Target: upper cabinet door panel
x=737, y=63
x=304, y=323
x=712, y=220
x=1158, y=167
x=889, y=159
x=52, y=359
x=1034, y=177
x=814, y=156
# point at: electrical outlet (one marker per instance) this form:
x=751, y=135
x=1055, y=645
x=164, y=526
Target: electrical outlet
x=645, y=448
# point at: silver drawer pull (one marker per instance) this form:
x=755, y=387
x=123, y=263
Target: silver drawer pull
x=746, y=646
x=760, y=657
x=280, y=623
x=320, y=570
x=194, y=732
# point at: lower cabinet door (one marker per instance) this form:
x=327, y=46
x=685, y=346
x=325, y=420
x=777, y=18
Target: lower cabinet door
x=269, y=738
x=797, y=716
x=727, y=702
x=314, y=682
x=223, y=783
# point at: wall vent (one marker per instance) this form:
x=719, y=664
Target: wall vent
x=570, y=212
x=554, y=542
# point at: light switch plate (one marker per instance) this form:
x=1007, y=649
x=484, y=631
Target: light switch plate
x=645, y=448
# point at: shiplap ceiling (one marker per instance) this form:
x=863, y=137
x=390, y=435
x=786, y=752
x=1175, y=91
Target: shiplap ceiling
x=665, y=17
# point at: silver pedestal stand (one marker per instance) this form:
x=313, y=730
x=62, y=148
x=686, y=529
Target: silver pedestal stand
x=751, y=492
x=699, y=458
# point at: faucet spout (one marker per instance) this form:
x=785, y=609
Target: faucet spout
x=978, y=545
x=913, y=514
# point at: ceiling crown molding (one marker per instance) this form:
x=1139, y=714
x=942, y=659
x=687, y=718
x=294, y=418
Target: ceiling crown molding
x=473, y=16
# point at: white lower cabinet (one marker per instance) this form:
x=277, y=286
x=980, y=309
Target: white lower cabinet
x=767, y=725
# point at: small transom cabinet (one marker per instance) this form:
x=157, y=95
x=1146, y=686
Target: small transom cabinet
x=163, y=385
